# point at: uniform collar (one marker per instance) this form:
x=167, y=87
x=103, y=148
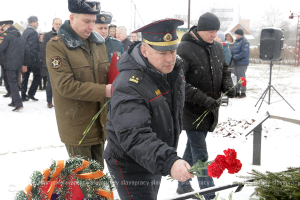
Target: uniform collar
x=72, y=40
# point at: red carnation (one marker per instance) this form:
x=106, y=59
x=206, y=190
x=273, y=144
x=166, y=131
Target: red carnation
x=230, y=155
x=220, y=161
x=244, y=81
x=234, y=167
x=113, y=71
x=214, y=170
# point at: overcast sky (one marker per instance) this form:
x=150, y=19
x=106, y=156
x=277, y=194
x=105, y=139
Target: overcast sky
x=149, y=10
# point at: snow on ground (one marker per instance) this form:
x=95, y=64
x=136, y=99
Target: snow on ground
x=30, y=141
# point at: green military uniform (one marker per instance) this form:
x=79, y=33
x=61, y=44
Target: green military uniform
x=78, y=72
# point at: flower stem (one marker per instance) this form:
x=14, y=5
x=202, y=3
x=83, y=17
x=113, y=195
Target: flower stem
x=92, y=122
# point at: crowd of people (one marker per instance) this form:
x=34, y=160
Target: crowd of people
x=162, y=87
x=33, y=54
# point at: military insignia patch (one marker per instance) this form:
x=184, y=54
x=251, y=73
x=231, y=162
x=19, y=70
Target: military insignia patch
x=103, y=18
x=167, y=37
x=134, y=79
x=157, y=92
x=1, y=39
x=4, y=33
x=95, y=7
x=55, y=62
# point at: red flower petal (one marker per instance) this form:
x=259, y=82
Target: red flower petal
x=244, y=81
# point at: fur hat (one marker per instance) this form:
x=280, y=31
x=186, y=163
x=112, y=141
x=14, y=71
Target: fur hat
x=104, y=18
x=208, y=22
x=32, y=19
x=84, y=7
x=239, y=32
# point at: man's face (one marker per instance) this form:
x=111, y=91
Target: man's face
x=83, y=24
x=42, y=37
x=134, y=37
x=120, y=34
x=208, y=36
x=35, y=24
x=102, y=29
x=163, y=61
x=237, y=36
x=56, y=24
x=112, y=32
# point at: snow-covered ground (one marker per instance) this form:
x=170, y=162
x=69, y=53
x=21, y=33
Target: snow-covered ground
x=30, y=141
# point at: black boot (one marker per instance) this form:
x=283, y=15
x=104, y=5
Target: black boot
x=243, y=95
x=32, y=98
x=7, y=95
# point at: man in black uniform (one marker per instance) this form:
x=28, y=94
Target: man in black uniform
x=32, y=40
x=144, y=122
x=13, y=47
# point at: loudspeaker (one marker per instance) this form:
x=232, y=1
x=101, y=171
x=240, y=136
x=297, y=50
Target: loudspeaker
x=271, y=44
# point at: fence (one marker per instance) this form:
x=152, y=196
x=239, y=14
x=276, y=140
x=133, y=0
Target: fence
x=288, y=57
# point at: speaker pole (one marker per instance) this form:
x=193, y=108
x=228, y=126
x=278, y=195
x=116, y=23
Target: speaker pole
x=269, y=89
x=270, y=79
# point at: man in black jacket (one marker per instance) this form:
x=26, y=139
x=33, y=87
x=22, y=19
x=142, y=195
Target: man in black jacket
x=207, y=76
x=55, y=26
x=32, y=40
x=13, y=47
x=144, y=122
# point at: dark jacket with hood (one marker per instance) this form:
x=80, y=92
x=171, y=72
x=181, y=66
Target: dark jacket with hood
x=240, y=52
x=32, y=40
x=206, y=73
x=126, y=43
x=47, y=37
x=13, y=49
x=144, y=122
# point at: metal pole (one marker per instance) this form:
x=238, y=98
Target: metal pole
x=271, y=64
x=257, y=145
x=298, y=42
x=189, y=14
x=134, y=16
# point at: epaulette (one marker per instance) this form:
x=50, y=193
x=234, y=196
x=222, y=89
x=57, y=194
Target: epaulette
x=55, y=38
x=136, y=77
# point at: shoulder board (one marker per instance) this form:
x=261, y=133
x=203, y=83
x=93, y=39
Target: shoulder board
x=55, y=38
x=136, y=77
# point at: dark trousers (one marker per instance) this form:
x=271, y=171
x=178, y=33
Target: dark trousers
x=133, y=186
x=43, y=83
x=35, y=83
x=49, y=90
x=196, y=150
x=12, y=78
x=4, y=77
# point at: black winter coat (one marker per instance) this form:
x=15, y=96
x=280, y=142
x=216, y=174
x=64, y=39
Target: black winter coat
x=13, y=49
x=207, y=75
x=47, y=38
x=144, y=122
x=32, y=40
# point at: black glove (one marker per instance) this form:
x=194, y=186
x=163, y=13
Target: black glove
x=211, y=104
x=231, y=92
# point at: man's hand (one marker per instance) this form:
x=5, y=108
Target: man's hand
x=24, y=69
x=107, y=91
x=179, y=170
x=211, y=104
x=231, y=92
